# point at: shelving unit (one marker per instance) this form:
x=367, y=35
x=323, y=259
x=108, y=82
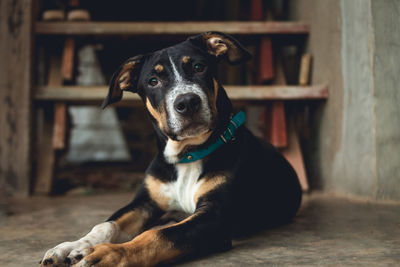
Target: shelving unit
x=245, y=93
x=40, y=111
x=82, y=94
x=94, y=95
x=169, y=28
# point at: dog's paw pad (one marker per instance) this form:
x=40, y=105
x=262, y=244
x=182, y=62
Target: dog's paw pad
x=48, y=261
x=79, y=257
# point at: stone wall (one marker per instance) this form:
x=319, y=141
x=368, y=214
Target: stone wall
x=355, y=141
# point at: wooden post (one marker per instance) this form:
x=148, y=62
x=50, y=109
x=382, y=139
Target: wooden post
x=293, y=152
x=15, y=96
x=266, y=61
x=294, y=155
x=67, y=67
x=45, y=152
x=46, y=155
x=60, y=126
x=275, y=117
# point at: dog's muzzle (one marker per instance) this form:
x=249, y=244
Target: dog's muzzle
x=188, y=111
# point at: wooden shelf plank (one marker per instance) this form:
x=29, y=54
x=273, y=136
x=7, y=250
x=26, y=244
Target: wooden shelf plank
x=235, y=92
x=153, y=28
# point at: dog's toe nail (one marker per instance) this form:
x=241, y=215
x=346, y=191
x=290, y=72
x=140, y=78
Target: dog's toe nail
x=78, y=257
x=48, y=261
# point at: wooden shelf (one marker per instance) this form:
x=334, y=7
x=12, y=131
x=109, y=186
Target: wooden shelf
x=236, y=93
x=168, y=28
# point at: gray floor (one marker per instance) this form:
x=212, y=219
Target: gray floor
x=327, y=231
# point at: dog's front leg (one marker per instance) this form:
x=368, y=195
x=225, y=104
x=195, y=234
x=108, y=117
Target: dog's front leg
x=202, y=232
x=122, y=226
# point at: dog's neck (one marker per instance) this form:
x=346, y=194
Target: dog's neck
x=174, y=149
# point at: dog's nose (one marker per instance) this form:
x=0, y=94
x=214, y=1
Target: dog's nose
x=187, y=104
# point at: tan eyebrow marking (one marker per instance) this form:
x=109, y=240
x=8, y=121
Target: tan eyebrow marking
x=159, y=68
x=185, y=59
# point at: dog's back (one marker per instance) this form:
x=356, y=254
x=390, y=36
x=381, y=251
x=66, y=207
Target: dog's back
x=264, y=189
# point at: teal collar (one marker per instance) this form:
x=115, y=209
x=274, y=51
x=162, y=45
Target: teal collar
x=224, y=138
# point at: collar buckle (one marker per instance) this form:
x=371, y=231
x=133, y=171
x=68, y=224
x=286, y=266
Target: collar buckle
x=228, y=131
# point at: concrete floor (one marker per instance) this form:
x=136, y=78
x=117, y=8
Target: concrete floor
x=328, y=231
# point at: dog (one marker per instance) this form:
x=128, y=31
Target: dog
x=209, y=165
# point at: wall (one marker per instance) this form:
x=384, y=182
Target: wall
x=355, y=135
x=15, y=97
x=386, y=70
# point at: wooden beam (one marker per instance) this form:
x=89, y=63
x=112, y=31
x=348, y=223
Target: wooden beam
x=294, y=155
x=45, y=154
x=266, y=61
x=67, y=67
x=185, y=28
x=15, y=96
x=47, y=128
x=275, y=119
x=275, y=114
x=235, y=92
x=60, y=126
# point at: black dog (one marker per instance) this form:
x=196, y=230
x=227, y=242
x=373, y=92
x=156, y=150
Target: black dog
x=208, y=165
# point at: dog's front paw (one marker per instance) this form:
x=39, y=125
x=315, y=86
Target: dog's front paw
x=104, y=255
x=65, y=254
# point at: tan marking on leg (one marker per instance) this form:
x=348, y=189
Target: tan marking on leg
x=150, y=248
x=159, y=115
x=153, y=185
x=183, y=221
x=132, y=222
x=159, y=68
x=185, y=59
x=209, y=185
x=105, y=254
x=147, y=249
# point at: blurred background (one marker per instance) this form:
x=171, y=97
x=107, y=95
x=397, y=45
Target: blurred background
x=321, y=86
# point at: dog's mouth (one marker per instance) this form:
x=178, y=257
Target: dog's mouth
x=190, y=129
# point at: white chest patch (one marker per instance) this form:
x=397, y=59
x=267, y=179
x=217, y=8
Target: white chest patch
x=182, y=191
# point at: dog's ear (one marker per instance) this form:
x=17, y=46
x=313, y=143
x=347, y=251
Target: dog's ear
x=222, y=45
x=124, y=79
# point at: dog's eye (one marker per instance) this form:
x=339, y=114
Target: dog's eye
x=198, y=67
x=153, y=81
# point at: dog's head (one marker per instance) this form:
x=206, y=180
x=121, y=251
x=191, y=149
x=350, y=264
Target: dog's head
x=178, y=84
